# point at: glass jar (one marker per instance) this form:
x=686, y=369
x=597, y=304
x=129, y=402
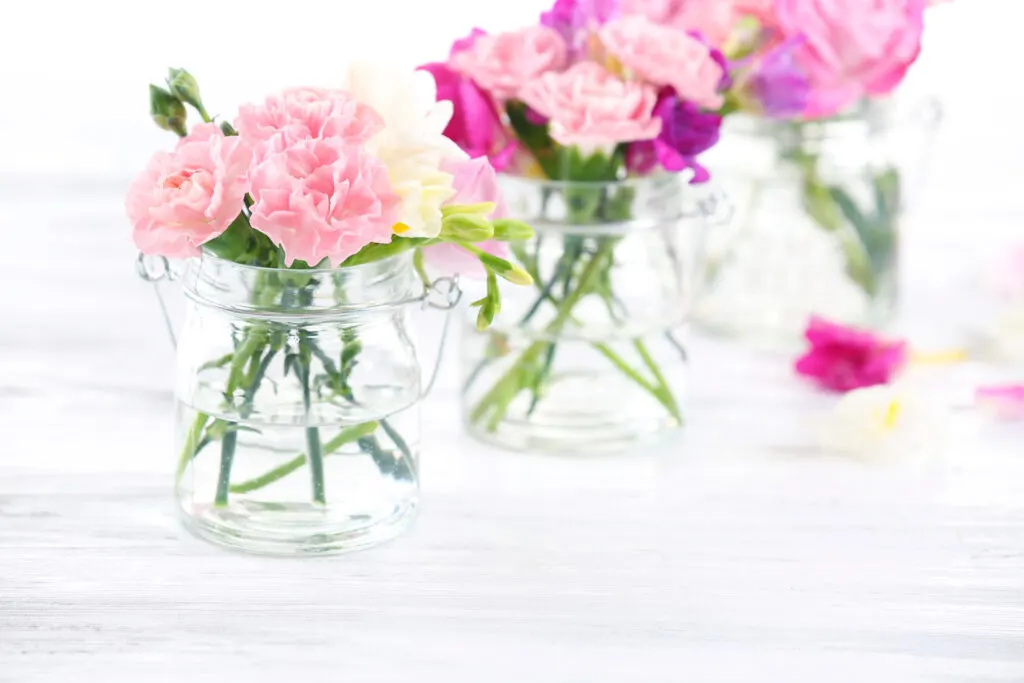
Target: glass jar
x=298, y=404
x=819, y=208
x=590, y=358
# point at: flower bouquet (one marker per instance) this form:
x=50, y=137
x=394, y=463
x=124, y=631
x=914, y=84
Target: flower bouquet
x=302, y=224
x=596, y=121
x=812, y=159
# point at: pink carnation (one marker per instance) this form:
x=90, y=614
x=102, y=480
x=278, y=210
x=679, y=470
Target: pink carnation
x=323, y=199
x=842, y=358
x=665, y=56
x=762, y=10
x=852, y=48
x=713, y=19
x=590, y=107
x=187, y=197
x=305, y=113
x=503, y=63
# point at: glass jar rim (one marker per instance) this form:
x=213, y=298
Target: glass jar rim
x=657, y=180
x=207, y=255
x=878, y=113
x=230, y=286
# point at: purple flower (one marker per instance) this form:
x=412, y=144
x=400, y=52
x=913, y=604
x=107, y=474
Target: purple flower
x=686, y=131
x=779, y=84
x=726, y=82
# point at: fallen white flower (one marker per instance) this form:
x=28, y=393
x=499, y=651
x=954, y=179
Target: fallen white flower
x=888, y=422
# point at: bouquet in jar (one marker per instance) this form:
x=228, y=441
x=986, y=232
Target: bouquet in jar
x=593, y=116
x=304, y=221
x=813, y=80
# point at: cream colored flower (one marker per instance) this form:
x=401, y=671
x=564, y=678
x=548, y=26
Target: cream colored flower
x=412, y=144
x=888, y=421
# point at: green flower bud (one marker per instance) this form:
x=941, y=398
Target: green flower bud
x=183, y=85
x=466, y=227
x=486, y=315
x=167, y=111
x=505, y=270
x=510, y=230
x=227, y=128
x=518, y=276
x=483, y=208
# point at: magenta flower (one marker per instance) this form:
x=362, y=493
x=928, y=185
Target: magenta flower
x=463, y=44
x=474, y=126
x=843, y=358
x=686, y=131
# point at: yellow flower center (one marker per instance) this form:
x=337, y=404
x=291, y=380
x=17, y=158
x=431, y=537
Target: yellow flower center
x=400, y=228
x=891, y=416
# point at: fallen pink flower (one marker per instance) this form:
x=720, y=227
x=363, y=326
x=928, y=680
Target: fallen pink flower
x=844, y=358
x=1006, y=400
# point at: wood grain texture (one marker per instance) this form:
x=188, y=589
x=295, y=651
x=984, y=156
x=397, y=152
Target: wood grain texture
x=734, y=553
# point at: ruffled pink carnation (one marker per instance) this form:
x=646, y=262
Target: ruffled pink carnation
x=843, y=358
x=323, y=199
x=713, y=19
x=665, y=56
x=305, y=113
x=762, y=10
x=503, y=63
x=589, y=107
x=187, y=197
x=852, y=48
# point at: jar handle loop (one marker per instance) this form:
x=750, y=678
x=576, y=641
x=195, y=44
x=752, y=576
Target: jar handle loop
x=443, y=294
x=153, y=269
x=716, y=207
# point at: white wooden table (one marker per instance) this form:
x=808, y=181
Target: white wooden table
x=737, y=553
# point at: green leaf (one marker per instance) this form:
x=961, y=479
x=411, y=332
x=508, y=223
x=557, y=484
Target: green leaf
x=534, y=137
x=233, y=243
x=887, y=197
x=376, y=252
x=849, y=209
x=820, y=205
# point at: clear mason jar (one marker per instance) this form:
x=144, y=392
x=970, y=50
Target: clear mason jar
x=298, y=405
x=819, y=207
x=590, y=358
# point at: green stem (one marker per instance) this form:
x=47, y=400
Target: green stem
x=663, y=392
x=626, y=369
x=227, y=456
x=347, y=435
x=316, y=464
x=191, y=447
x=316, y=455
x=502, y=393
